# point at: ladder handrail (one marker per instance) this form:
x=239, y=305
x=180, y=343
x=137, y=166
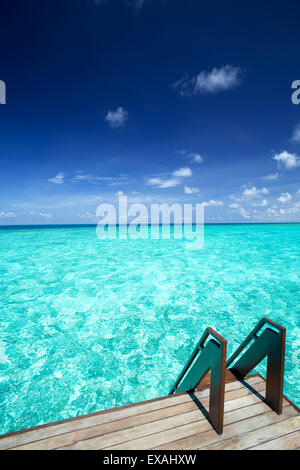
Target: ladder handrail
x=271, y=344
x=253, y=335
x=210, y=355
x=208, y=331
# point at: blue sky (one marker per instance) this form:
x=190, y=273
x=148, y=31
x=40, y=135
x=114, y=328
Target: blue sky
x=163, y=100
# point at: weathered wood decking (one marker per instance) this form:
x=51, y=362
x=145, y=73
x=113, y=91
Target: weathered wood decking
x=175, y=422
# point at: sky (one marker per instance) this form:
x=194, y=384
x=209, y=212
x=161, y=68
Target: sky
x=164, y=101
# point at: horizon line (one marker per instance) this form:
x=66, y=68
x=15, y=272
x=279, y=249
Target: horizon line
x=29, y=226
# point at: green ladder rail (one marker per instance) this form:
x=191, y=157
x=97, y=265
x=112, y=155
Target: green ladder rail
x=267, y=339
x=209, y=354
x=271, y=344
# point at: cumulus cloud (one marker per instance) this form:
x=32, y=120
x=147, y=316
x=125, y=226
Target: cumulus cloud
x=8, y=215
x=212, y=202
x=292, y=211
x=174, y=180
x=195, y=157
x=240, y=210
x=244, y=213
x=272, y=212
x=271, y=177
x=296, y=134
x=189, y=190
x=183, y=172
x=214, y=81
x=58, y=179
x=284, y=198
x=263, y=203
x=286, y=160
x=235, y=198
x=117, y=118
x=46, y=215
x=163, y=183
x=253, y=192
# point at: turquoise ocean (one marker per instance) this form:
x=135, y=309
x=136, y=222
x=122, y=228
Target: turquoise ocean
x=89, y=324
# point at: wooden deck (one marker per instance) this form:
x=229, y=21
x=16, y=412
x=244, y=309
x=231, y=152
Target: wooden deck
x=177, y=422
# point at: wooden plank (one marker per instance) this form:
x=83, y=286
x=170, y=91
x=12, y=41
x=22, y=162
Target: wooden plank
x=287, y=442
x=233, y=394
x=67, y=426
x=119, y=437
x=111, y=439
x=118, y=425
x=259, y=436
x=164, y=418
x=158, y=438
x=42, y=432
x=86, y=433
x=187, y=438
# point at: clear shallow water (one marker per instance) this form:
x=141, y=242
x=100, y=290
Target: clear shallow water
x=87, y=324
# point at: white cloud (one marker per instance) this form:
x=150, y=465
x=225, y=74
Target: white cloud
x=58, y=179
x=271, y=177
x=288, y=211
x=111, y=180
x=117, y=118
x=240, y=210
x=82, y=177
x=8, y=215
x=189, y=190
x=212, y=202
x=284, y=198
x=46, y=215
x=216, y=80
x=253, y=192
x=174, y=180
x=263, y=203
x=163, y=183
x=196, y=157
x=272, y=212
x=244, y=213
x=87, y=215
x=296, y=134
x=183, y=172
x=234, y=198
x=289, y=161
